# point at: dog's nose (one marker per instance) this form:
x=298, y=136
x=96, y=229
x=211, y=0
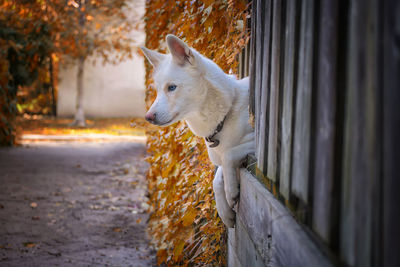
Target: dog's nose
x=150, y=117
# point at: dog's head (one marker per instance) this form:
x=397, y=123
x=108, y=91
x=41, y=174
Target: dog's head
x=180, y=89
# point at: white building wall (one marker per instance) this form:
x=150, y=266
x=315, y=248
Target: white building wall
x=109, y=90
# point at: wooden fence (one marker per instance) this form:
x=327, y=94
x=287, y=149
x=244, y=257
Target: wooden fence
x=325, y=97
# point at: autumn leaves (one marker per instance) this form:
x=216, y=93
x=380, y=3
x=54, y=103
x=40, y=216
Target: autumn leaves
x=184, y=222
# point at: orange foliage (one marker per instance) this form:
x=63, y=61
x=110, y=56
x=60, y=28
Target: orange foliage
x=184, y=222
x=32, y=32
x=7, y=102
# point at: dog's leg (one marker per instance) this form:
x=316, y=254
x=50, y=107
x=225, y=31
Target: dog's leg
x=225, y=212
x=230, y=164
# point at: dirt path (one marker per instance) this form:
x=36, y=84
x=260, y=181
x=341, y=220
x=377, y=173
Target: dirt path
x=74, y=204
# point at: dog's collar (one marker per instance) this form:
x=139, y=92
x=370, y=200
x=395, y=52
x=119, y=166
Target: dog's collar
x=211, y=138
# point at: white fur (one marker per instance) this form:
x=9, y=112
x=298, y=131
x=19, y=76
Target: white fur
x=203, y=97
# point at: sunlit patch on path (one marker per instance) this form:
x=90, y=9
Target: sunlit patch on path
x=113, y=127
x=96, y=138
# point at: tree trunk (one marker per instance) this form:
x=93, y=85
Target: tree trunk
x=79, y=113
x=53, y=99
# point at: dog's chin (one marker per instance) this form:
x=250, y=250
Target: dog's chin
x=165, y=124
x=168, y=123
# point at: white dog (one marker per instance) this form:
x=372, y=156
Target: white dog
x=191, y=87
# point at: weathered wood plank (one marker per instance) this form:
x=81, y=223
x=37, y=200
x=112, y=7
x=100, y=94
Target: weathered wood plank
x=252, y=65
x=352, y=140
x=274, y=91
x=391, y=133
x=361, y=163
x=369, y=214
x=244, y=249
x=302, y=133
x=262, y=155
x=366, y=249
x=247, y=60
x=325, y=188
x=232, y=257
x=243, y=67
x=241, y=64
x=291, y=41
x=258, y=72
x=276, y=235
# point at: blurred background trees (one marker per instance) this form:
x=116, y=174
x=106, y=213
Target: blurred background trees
x=36, y=35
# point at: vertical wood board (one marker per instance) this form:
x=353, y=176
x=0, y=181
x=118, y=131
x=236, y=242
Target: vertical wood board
x=274, y=91
x=391, y=133
x=360, y=166
x=258, y=71
x=252, y=65
x=323, y=191
x=288, y=94
x=262, y=158
x=302, y=132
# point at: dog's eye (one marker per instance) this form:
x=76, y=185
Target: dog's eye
x=171, y=87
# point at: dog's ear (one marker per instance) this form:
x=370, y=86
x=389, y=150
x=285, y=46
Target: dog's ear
x=181, y=53
x=153, y=56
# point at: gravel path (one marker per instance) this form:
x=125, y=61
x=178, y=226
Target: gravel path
x=74, y=204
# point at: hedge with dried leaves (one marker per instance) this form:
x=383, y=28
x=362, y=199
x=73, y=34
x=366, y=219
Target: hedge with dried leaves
x=184, y=223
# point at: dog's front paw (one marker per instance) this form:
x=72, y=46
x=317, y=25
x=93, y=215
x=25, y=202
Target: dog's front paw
x=227, y=215
x=232, y=195
x=224, y=211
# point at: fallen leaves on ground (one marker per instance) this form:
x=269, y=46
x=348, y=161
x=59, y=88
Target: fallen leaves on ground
x=43, y=125
x=29, y=244
x=117, y=229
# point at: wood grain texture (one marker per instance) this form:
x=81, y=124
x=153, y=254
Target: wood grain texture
x=302, y=128
x=262, y=158
x=232, y=257
x=324, y=184
x=244, y=62
x=246, y=250
x=391, y=133
x=289, y=77
x=340, y=131
x=252, y=65
x=367, y=249
x=259, y=51
x=361, y=157
x=247, y=60
x=351, y=142
x=274, y=91
x=241, y=66
x=277, y=237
